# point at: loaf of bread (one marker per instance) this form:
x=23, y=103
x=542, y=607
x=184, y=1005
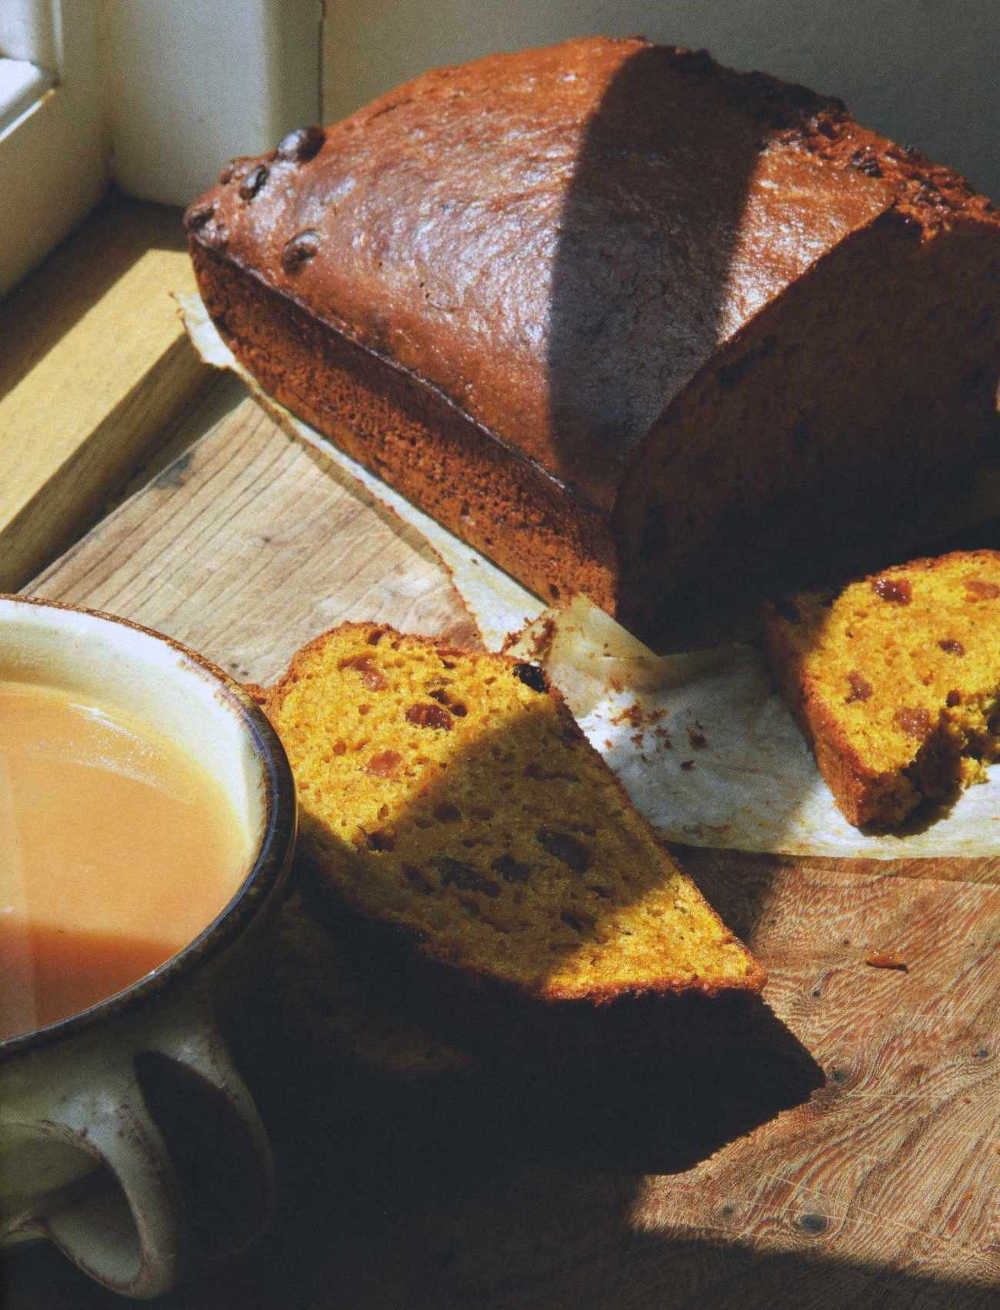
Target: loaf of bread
x=626, y=321
x=449, y=797
x=895, y=682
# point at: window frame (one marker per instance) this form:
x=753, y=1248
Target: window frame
x=54, y=153
x=126, y=104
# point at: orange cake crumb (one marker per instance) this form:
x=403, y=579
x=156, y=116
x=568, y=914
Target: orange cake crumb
x=895, y=681
x=451, y=795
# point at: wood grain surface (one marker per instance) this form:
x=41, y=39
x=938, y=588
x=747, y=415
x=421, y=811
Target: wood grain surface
x=248, y=545
x=840, y=1149
x=93, y=362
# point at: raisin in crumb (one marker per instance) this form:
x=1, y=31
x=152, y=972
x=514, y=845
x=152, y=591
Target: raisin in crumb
x=860, y=689
x=465, y=876
x=952, y=647
x=372, y=676
x=897, y=590
x=532, y=676
x=578, y=921
x=417, y=878
x=571, y=852
x=445, y=812
x=429, y=716
x=443, y=697
x=914, y=722
x=509, y=869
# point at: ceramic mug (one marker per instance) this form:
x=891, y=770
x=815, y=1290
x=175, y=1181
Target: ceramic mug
x=83, y=1161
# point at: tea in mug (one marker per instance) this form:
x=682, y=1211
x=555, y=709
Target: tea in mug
x=116, y=850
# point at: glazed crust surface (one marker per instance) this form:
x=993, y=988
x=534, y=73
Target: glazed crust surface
x=498, y=230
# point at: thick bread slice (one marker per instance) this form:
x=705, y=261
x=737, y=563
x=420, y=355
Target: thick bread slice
x=451, y=795
x=896, y=681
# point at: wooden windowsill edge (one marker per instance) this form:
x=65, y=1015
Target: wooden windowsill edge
x=95, y=371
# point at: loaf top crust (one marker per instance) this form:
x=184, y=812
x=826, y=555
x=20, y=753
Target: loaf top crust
x=557, y=240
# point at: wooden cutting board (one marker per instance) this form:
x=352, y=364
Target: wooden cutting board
x=846, y=1153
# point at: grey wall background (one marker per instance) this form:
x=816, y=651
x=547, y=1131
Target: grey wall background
x=924, y=72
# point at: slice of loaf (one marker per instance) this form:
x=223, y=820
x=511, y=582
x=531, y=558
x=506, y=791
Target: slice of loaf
x=450, y=795
x=619, y=317
x=895, y=681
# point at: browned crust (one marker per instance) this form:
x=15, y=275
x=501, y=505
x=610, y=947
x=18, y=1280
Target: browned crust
x=406, y=432
x=491, y=1017
x=932, y=195
x=850, y=781
x=864, y=796
x=331, y=359
x=478, y=979
x=932, y=563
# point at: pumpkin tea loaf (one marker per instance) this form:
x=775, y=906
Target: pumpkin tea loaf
x=617, y=316
x=450, y=795
x=895, y=681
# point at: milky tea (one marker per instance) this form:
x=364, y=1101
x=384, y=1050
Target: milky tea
x=116, y=850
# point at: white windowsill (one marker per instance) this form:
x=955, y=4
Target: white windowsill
x=21, y=85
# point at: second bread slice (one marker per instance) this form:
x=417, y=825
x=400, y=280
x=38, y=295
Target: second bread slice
x=451, y=795
x=895, y=682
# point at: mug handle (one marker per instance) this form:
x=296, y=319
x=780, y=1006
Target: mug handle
x=128, y=1225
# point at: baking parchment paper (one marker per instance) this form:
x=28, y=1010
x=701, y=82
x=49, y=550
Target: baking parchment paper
x=705, y=748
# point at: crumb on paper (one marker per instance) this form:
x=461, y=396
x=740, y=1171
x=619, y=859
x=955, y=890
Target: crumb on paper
x=886, y=959
x=539, y=642
x=631, y=714
x=696, y=737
